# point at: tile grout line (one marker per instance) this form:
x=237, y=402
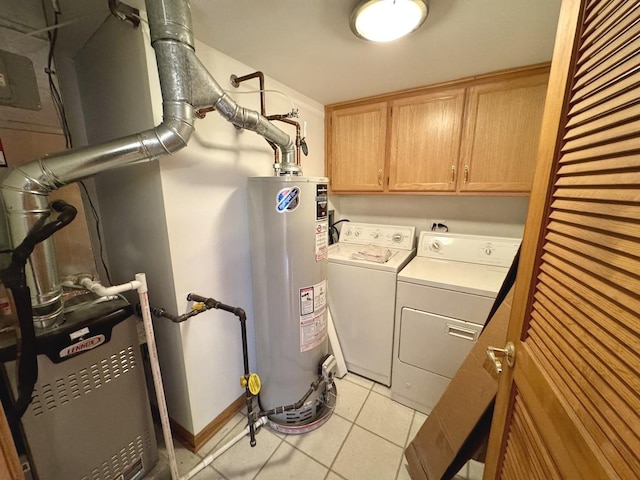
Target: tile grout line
x=350, y=429
x=352, y=422
x=218, y=444
x=380, y=436
x=402, y=447
x=307, y=455
x=270, y=457
x=406, y=440
x=283, y=440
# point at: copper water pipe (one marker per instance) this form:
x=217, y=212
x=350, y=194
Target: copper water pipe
x=236, y=81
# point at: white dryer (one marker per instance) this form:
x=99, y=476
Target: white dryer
x=443, y=298
x=361, y=287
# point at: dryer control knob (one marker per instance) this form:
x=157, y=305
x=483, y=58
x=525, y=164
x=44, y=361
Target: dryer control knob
x=357, y=234
x=436, y=245
x=375, y=234
x=397, y=237
x=347, y=233
x=488, y=251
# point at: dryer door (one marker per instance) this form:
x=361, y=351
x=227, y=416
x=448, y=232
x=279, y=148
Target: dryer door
x=435, y=343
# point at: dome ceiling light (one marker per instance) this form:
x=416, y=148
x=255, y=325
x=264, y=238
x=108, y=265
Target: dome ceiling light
x=387, y=20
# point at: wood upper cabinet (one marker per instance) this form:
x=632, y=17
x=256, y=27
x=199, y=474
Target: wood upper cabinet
x=475, y=135
x=425, y=141
x=501, y=134
x=358, y=148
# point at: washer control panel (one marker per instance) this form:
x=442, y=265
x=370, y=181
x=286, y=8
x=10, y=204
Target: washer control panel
x=390, y=236
x=468, y=248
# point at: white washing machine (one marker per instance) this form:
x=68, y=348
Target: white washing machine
x=362, y=293
x=443, y=298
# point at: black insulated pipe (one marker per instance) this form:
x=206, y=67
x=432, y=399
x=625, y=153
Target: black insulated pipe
x=15, y=280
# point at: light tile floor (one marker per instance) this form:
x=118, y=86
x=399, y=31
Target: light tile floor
x=364, y=439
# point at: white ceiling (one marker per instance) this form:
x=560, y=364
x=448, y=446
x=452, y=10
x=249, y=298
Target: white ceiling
x=308, y=45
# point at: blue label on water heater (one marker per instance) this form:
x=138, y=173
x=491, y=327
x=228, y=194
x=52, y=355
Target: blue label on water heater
x=288, y=199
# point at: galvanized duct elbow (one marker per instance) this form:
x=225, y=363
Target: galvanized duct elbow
x=204, y=91
x=252, y=120
x=25, y=194
x=25, y=190
x=185, y=84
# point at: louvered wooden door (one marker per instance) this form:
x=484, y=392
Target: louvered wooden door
x=570, y=406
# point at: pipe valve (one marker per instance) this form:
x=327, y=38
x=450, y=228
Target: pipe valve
x=253, y=382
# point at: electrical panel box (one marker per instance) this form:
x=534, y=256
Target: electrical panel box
x=18, y=85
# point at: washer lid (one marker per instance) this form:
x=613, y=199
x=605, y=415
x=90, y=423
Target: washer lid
x=472, y=278
x=342, y=253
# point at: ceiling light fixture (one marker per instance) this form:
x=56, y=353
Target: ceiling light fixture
x=387, y=20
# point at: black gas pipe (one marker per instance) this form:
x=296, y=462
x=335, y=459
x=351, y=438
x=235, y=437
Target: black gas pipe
x=209, y=303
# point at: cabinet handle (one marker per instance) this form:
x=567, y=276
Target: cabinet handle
x=453, y=173
x=380, y=177
x=466, y=173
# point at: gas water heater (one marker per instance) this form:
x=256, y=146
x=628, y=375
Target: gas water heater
x=289, y=242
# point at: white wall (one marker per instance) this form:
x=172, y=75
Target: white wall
x=183, y=219
x=205, y=192
x=499, y=216
x=111, y=72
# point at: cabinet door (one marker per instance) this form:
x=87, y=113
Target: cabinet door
x=425, y=141
x=358, y=148
x=502, y=130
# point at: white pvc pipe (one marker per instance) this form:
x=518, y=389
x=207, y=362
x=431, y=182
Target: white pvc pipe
x=155, y=372
x=98, y=289
x=341, y=366
x=140, y=284
x=208, y=460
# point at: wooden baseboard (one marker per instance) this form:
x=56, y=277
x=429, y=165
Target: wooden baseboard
x=197, y=441
x=217, y=423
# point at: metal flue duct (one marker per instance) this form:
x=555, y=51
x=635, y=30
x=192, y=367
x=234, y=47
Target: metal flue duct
x=186, y=86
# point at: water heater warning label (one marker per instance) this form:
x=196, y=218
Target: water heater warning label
x=313, y=299
x=313, y=330
x=322, y=240
x=313, y=315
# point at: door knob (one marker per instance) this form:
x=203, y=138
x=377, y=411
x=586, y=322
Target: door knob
x=497, y=355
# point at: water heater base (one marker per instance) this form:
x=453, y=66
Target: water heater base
x=321, y=418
